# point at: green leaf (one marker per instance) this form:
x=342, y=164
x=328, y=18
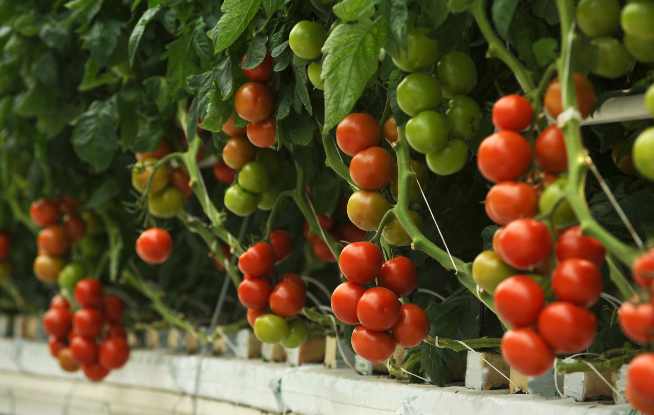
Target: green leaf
x=283, y=60
x=458, y=6
x=351, y=59
x=36, y=101
x=83, y=11
x=103, y=194
x=157, y=89
x=201, y=42
x=300, y=130
x=181, y=62
x=437, y=10
x=503, y=12
x=102, y=39
x=353, y=10
x=55, y=35
x=272, y=6
x=237, y=15
x=94, y=138
x=225, y=77
x=399, y=19
x=256, y=52
x=137, y=33
x=218, y=111
x=93, y=79
x=545, y=50
x=301, y=91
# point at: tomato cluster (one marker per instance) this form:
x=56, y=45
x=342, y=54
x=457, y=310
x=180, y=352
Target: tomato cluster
x=92, y=336
x=305, y=40
x=273, y=303
x=382, y=321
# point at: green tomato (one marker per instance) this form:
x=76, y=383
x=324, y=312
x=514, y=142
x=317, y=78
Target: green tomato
x=239, y=201
x=270, y=328
x=313, y=72
x=89, y=247
x=268, y=200
x=448, y=160
x=649, y=99
x=458, y=72
x=420, y=53
x=464, y=116
x=611, y=58
x=553, y=202
x=643, y=153
x=637, y=20
x=166, y=204
x=142, y=171
x=306, y=39
x=297, y=335
x=253, y=177
x=418, y=92
x=488, y=271
x=394, y=233
x=69, y=276
x=598, y=17
x=641, y=49
x=427, y=132
x=5, y=271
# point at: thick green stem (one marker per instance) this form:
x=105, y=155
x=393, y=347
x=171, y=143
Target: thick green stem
x=601, y=365
x=334, y=161
x=460, y=345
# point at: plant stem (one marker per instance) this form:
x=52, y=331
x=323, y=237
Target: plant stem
x=458, y=345
x=334, y=161
x=601, y=365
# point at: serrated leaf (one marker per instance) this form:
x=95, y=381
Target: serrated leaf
x=399, y=19
x=225, y=77
x=284, y=103
x=201, y=42
x=218, y=111
x=256, y=52
x=282, y=61
x=94, y=137
x=237, y=15
x=503, y=12
x=137, y=33
x=353, y=10
x=102, y=39
x=181, y=62
x=351, y=59
x=93, y=79
x=300, y=91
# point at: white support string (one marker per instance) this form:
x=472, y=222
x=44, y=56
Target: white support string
x=432, y=293
x=318, y=284
x=616, y=303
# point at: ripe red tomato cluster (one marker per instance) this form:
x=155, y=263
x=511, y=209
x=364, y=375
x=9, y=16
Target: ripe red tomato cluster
x=381, y=320
x=92, y=337
x=345, y=232
x=62, y=227
x=273, y=303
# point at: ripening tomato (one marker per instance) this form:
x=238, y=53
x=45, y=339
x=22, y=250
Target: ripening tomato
x=503, y=156
x=52, y=241
x=636, y=20
x=585, y=96
x=573, y=244
x=262, y=134
x=254, y=293
x=154, y=246
x=637, y=321
x=488, y=270
x=261, y=72
x=66, y=360
x=5, y=244
x=47, y=268
x=182, y=182
x=418, y=92
x=508, y=201
x=427, y=132
x=113, y=308
x=412, y=327
x=512, y=112
x=253, y=102
x=639, y=382
x=95, y=372
x=253, y=314
x=366, y=209
x=390, y=130
x=223, y=173
x=643, y=269
x=344, y=302
x=372, y=168
x=88, y=322
x=237, y=153
x=55, y=345
x=84, y=349
x=57, y=322
x=374, y=346
x=378, y=309
x=114, y=353
x=519, y=300
x=239, y=201
x=525, y=243
x=166, y=204
x=314, y=71
x=74, y=227
x=282, y=243
x=88, y=293
x=288, y=297
x=356, y=132
x=526, y=351
x=231, y=129
x=612, y=60
x=567, y=328
x=550, y=150
x=398, y=274
x=577, y=281
x=360, y=262
x=59, y=301
x=143, y=172
x=257, y=260
x=44, y=212
x=163, y=149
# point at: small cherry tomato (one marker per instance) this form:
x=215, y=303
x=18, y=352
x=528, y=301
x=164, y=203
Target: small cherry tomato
x=230, y=128
x=418, y=92
x=88, y=322
x=261, y=72
x=95, y=372
x=504, y=156
x=113, y=308
x=282, y=243
x=366, y=209
x=74, y=227
x=577, y=281
x=567, y=328
x=44, y=212
x=254, y=293
x=253, y=315
x=420, y=52
x=47, y=268
x=525, y=243
x=519, y=300
x=59, y=301
x=488, y=270
x=223, y=173
x=253, y=102
x=573, y=244
x=55, y=345
x=321, y=250
x=237, y=153
x=52, y=241
x=84, y=350
x=412, y=327
x=166, y=204
x=372, y=168
x=116, y=330
x=360, y=262
x=585, y=96
x=512, y=112
x=163, y=149
x=239, y=201
x=378, y=309
x=398, y=274
x=143, y=172
x=508, y=201
x=374, y=346
x=182, y=182
x=347, y=232
x=288, y=297
x=550, y=150
x=257, y=260
x=643, y=269
x=154, y=246
x=390, y=130
x=527, y=352
x=356, y=132
x=262, y=134
x=68, y=205
x=297, y=334
x=66, y=360
x=637, y=321
x=344, y=302
x=114, y=353
x=88, y=293
x=57, y=322
x=458, y=72
x=640, y=387
x=306, y=39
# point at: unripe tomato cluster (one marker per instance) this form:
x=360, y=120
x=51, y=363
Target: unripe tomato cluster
x=382, y=321
x=91, y=337
x=273, y=302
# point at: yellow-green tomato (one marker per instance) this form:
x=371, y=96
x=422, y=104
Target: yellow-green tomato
x=641, y=49
x=314, y=70
x=448, y=160
x=366, y=209
x=427, y=132
x=643, y=153
x=553, y=202
x=394, y=233
x=268, y=200
x=142, y=171
x=418, y=92
x=598, y=17
x=488, y=271
x=420, y=52
x=69, y=276
x=239, y=201
x=297, y=334
x=253, y=177
x=166, y=204
x=637, y=19
x=306, y=39
x=270, y=328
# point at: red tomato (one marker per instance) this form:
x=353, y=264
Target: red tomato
x=59, y=301
x=503, y=156
x=95, y=372
x=262, y=134
x=567, y=328
x=638, y=402
x=84, y=349
x=585, y=96
x=88, y=292
x=88, y=322
x=52, y=241
x=512, y=112
x=527, y=352
x=44, y=212
x=230, y=128
x=637, y=321
x=113, y=308
x=258, y=260
x=154, y=246
x=261, y=72
x=68, y=205
x=57, y=322
x=253, y=314
x=573, y=244
x=282, y=243
x=344, y=302
x=223, y=173
x=550, y=150
x=74, y=227
x=360, y=262
x=55, y=345
x=643, y=269
x=374, y=346
x=640, y=387
x=578, y=281
x=378, y=309
x=253, y=102
x=254, y=293
x=321, y=250
x=181, y=180
x=372, y=168
x=508, y=201
x=412, y=327
x=519, y=300
x=288, y=297
x=5, y=243
x=524, y=243
x=398, y=274
x=114, y=353
x=116, y=330
x=349, y=233
x=357, y=132
x=66, y=361
x=162, y=150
